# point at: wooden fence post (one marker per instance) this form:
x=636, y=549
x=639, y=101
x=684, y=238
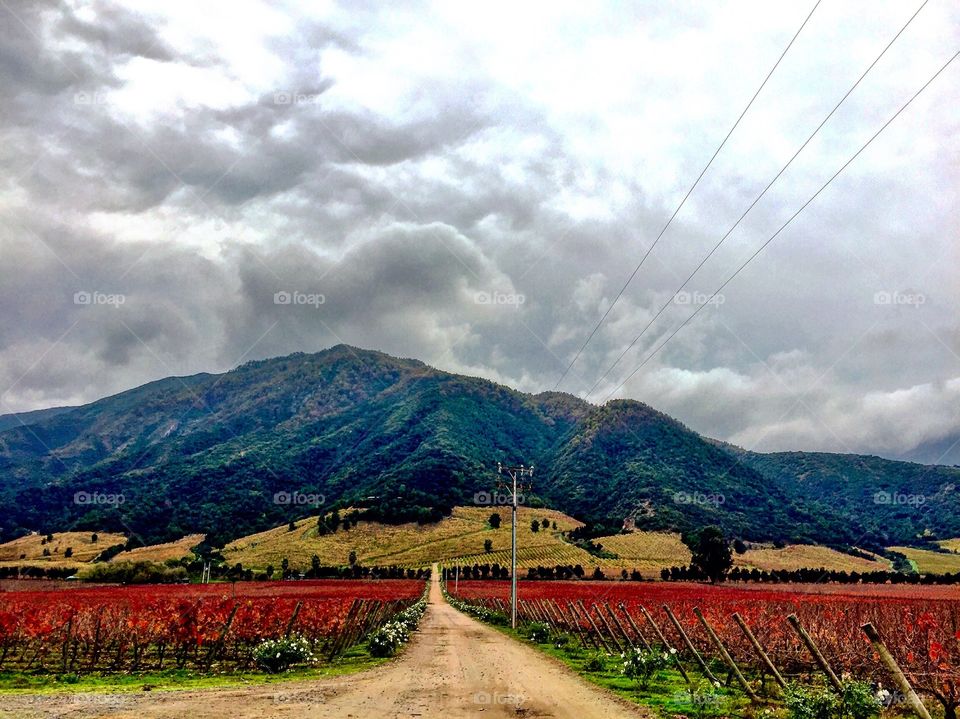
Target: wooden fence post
x=586, y=632
x=218, y=645
x=759, y=650
x=545, y=610
x=619, y=626
x=748, y=690
x=293, y=618
x=600, y=635
x=633, y=625
x=666, y=645
x=898, y=676
x=609, y=629
x=574, y=626
x=692, y=649
x=815, y=652
x=66, y=643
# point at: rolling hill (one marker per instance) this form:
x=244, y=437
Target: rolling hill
x=459, y=539
x=226, y=455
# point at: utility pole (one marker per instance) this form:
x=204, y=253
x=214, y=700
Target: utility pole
x=514, y=473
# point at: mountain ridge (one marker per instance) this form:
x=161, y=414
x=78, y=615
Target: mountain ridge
x=208, y=452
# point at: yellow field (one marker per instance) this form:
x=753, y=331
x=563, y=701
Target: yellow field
x=161, y=552
x=801, y=556
x=952, y=544
x=459, y=539
x=928, y=562
x=459, y=536
x=29, y=549
x=648, y=552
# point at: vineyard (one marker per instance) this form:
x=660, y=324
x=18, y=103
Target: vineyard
x=751, y=635
x=928, y=561
x=207, y=627
x=406, y=545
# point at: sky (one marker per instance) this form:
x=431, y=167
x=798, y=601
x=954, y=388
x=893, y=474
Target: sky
x=185, y=187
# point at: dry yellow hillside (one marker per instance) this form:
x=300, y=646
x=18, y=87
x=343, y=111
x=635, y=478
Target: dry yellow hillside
x=459, y=539
x=161, y=552
x=30, y=549
x=461, y=535
x=928, y=562
x=648, y=552
x=952, y=544
x=801, y=556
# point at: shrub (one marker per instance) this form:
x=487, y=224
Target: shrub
x=860, y=701
x=641, y=665
x=539, y=633
x=386, y=640
x=596, y=662
x=857, y=701
x=278, y=655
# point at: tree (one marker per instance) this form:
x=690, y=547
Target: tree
x=739, y=547
x=712, y=557
x=49, y=537
x=269, y=571
x=94, y=538
x=495, y=520
x=352, y=558
x=69, y=553
x=292, y=526
x=488, y=545
x=534, y=526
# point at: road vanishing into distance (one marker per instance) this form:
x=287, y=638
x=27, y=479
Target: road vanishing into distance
x=453, y=667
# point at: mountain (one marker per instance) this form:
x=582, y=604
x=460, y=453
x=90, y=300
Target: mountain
x=886, y=500
x=936, y=451
x=235, y=453
x=20, y=419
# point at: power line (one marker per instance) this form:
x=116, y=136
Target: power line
x=684, y=200
x=756, y=200
x=784, y=225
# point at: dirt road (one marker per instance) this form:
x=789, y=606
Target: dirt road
x=453, y=667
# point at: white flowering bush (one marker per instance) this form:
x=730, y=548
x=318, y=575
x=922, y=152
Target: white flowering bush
x=857, y=701
x=478, y=612
x=278, y=655
x=387, y=639
x=539, y=633
x=410, y=617
x=640, y=665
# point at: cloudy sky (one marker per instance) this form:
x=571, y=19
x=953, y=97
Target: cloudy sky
x=187, y=186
